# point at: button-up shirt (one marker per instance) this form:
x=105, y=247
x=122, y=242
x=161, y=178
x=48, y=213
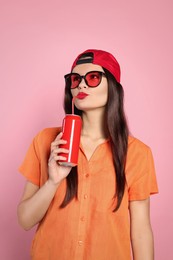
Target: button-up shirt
x=87, y=228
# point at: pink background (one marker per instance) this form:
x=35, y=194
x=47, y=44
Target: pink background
x=39, y=41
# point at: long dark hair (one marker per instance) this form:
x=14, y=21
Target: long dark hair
x=117, y=132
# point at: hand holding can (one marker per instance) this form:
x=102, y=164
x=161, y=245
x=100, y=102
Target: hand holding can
x=71, y=130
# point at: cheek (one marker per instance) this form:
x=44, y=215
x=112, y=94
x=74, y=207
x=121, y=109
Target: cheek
x=74, y=92
x=104, y=95
x=100, y=96
x=104, y=92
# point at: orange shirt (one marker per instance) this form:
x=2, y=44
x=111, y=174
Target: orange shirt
x=87, y=229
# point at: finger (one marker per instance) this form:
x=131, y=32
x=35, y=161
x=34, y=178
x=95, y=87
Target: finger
x=56, y=158
x=58, y=136
x=56, y=143
x=59, y=158
x=60, y=150
x=60, y=141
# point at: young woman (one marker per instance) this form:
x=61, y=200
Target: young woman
x=99, y=209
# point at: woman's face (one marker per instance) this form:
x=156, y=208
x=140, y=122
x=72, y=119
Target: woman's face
x=96, y=97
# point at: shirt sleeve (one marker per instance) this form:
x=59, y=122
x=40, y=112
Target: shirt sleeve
x=142, y=177
x=30, y=167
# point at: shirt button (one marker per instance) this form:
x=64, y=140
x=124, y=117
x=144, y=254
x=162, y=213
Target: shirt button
x=85, y=196
x=80, y=242
x=87, y=175
x=82, y=218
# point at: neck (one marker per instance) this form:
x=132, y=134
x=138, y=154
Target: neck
x=93, y=124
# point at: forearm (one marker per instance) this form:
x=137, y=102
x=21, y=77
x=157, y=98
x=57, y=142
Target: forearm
x=142, y=244
x=35, y=202
x=32, y=210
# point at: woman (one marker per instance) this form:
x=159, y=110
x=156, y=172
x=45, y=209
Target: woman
x=83, y=212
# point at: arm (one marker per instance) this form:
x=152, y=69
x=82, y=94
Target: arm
x=36, y=201
x=141, y=232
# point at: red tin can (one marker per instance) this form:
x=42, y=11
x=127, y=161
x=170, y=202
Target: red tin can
x=71, y=130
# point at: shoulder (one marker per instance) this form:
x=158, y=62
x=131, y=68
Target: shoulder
x=137, y=150
x=135, y=143
x=140, y=170
x=51, y=131
x=47, y=135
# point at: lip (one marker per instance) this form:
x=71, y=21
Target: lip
x=81, y=95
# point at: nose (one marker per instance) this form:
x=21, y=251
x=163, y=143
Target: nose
x=82, y=84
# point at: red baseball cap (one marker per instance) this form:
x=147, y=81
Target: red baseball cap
x=102, y=58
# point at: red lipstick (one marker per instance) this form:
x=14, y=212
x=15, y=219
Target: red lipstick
x=81, y=95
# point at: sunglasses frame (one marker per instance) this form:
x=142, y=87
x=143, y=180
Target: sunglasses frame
x=68, y=77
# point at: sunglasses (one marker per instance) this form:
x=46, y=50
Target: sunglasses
x=91, y=78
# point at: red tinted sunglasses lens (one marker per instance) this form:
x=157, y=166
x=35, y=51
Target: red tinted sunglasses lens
x=93, y=79
x=75, y=80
